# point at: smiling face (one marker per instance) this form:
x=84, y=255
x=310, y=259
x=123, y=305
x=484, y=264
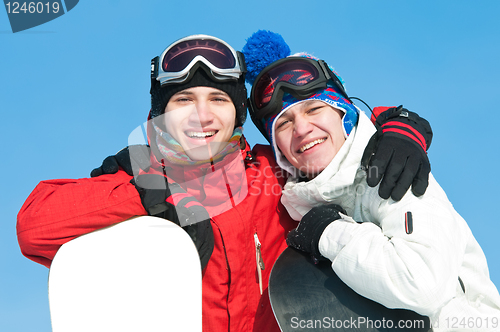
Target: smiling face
x=201, y=119
x=309, y=134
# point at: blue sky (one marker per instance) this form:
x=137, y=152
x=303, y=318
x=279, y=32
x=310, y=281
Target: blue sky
x=73, y=89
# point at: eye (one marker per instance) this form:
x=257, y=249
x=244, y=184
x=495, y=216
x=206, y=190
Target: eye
x=282, y=123
x=182, y=99
x=221, y=99
x=314, y=109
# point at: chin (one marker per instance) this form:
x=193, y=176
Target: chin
x=312, y=172
x=311, y=168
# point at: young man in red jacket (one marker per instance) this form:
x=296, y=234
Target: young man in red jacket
x=201, y=174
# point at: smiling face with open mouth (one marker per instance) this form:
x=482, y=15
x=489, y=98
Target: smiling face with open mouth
x=309, y=134
x=201, y=119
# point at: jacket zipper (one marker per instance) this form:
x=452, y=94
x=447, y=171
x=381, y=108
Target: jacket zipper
x=259, y=260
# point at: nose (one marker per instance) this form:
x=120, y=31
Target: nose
x=301, y=127
x=201, y=114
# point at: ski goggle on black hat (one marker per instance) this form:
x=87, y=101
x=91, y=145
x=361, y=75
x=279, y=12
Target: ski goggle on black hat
x=299, y=76
x=188, y=54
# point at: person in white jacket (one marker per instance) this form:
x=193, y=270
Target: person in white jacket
x=417, y=253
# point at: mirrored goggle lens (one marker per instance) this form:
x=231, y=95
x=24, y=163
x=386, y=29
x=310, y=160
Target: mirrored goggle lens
x=179, y=56
x=297, y=73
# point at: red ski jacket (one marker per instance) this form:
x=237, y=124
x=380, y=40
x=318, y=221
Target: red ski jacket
x=58, y=211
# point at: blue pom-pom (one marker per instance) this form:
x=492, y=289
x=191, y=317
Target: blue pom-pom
x=262, y=49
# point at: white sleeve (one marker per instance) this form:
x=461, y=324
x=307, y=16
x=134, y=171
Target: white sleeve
x=417, y=271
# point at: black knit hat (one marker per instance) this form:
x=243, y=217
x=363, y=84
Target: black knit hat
x=235, y=89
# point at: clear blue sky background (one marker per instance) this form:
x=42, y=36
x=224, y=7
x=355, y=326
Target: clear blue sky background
x=72, y=90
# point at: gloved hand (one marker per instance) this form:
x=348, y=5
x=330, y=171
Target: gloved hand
x=170, y=201
x=397, y=154
x=307, y=234
x=130, y=159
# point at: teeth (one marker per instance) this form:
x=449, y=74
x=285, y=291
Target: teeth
x=197, y=134
x=310, y=145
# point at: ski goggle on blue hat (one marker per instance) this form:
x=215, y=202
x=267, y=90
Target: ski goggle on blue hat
x=299, y=76
x=188, y=54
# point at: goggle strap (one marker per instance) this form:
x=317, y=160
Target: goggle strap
x=154, y=67
x=241, y=60
x=334, y=78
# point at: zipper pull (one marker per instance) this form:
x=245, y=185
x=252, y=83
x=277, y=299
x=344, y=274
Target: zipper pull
x=259, y=260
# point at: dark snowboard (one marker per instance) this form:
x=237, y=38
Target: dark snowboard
x=310, y=297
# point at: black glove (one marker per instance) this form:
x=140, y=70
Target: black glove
x=397, y=154
x=158, y=197
x=307, y=234
x=130, y=159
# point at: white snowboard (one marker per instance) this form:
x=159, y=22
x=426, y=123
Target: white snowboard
x=143, y=274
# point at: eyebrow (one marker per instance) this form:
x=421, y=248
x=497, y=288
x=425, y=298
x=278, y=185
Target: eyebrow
x=309, y=102
x=190, y=93
x=302, y=106
x=219, y=93
x=184, y=93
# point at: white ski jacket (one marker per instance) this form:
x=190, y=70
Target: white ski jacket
x=435, y=268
